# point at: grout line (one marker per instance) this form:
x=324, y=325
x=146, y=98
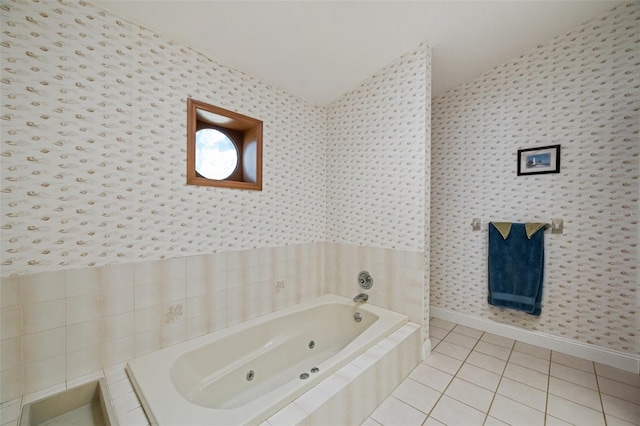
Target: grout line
x=599, y=394
x=499, y=382
x=546, y=399
x=454, y=376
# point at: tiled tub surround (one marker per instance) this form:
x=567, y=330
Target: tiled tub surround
x=398, y=276
x=346, y=397
x=58, y=326
x=62, y=325
x=204, y=380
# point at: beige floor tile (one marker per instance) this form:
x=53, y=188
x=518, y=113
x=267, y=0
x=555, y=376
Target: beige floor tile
x=532, y=350
x=523, y=394
x=432, y=422
x=479, y=376
x=437, y=332
x=614, y=421
x=571, y=412
x=492, y=421
x=392, y=412
x=497, y=340
x=573, y=375
x=461, y=340
x=437, y=322
x=431, y=377
x=470, y=394
x=468, y=331
x=572, y=392
x=621, y=409
x=514, y=413
x=552, y=421
x=454, y=351
x=618, y=375
x=452, y=412
x=370, y=422
x=494, y=350
x=416, y=395
x=443, y=362
x=488, y=362
x=572, y=361
x=526, y=376
x=619, y=390
x=434, y=342
x=529, y=361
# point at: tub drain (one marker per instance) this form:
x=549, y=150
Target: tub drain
x=250, y=375
x=312, y=344
x=304, y=376
x=315, y=369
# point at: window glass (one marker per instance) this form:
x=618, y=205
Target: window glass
x=216, y=154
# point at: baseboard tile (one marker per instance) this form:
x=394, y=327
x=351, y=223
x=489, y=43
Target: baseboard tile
x=617, y=359
x=426, y=349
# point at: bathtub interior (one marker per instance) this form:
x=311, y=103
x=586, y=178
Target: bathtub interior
x=258, y=360
x=204, y=380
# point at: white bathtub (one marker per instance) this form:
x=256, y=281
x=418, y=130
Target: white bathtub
x=204, y=381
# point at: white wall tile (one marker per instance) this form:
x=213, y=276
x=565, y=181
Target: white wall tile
x=11, y=350
x=43, y=345
x=43, y=287
x=117, y=276
x=11, y=384
x=9, y=292
x=83, y=308
x=11, y=325
x=117, y=301
x=43, y=316
x=44, y=374
x=117, y=351
x=147, y=295
x=118, y=326
x=83, y=281
x=147, y=341
x=83, y=334
x=82, y=362
x=148, y=318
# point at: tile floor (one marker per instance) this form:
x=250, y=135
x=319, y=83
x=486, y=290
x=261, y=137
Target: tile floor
x=477, y=378
x=471, y=378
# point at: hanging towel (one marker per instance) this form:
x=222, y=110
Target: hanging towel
x=503, y=227
x=532, y=228
x=516, y=268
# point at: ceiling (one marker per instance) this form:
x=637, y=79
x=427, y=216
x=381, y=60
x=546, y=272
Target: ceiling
x=318, y=50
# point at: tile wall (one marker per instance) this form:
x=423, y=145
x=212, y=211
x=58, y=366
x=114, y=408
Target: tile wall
x=59, y=326
x=397, y=276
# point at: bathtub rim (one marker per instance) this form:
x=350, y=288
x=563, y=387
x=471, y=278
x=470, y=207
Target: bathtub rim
x=167, y=356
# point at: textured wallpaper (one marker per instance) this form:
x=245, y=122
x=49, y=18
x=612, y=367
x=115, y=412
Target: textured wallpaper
x=376, y=157
x=580, y=90
x=94, y=147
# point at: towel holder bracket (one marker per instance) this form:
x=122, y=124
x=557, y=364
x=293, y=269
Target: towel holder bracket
x=556, y=225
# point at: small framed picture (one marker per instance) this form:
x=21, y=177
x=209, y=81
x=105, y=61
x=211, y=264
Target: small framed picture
x=537, y=161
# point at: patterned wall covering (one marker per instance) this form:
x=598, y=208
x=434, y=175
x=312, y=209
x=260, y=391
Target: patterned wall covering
x=376, y=143
x=580, y=90
x=93, y=147
x=378, y=150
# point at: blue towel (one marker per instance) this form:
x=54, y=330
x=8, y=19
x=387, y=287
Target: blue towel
x=516, y=269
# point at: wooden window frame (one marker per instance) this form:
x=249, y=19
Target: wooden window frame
x=245, y=132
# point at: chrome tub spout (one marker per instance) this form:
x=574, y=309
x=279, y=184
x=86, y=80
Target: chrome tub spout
x=362, y=297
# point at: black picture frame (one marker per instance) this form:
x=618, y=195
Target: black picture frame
x=539, y=160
